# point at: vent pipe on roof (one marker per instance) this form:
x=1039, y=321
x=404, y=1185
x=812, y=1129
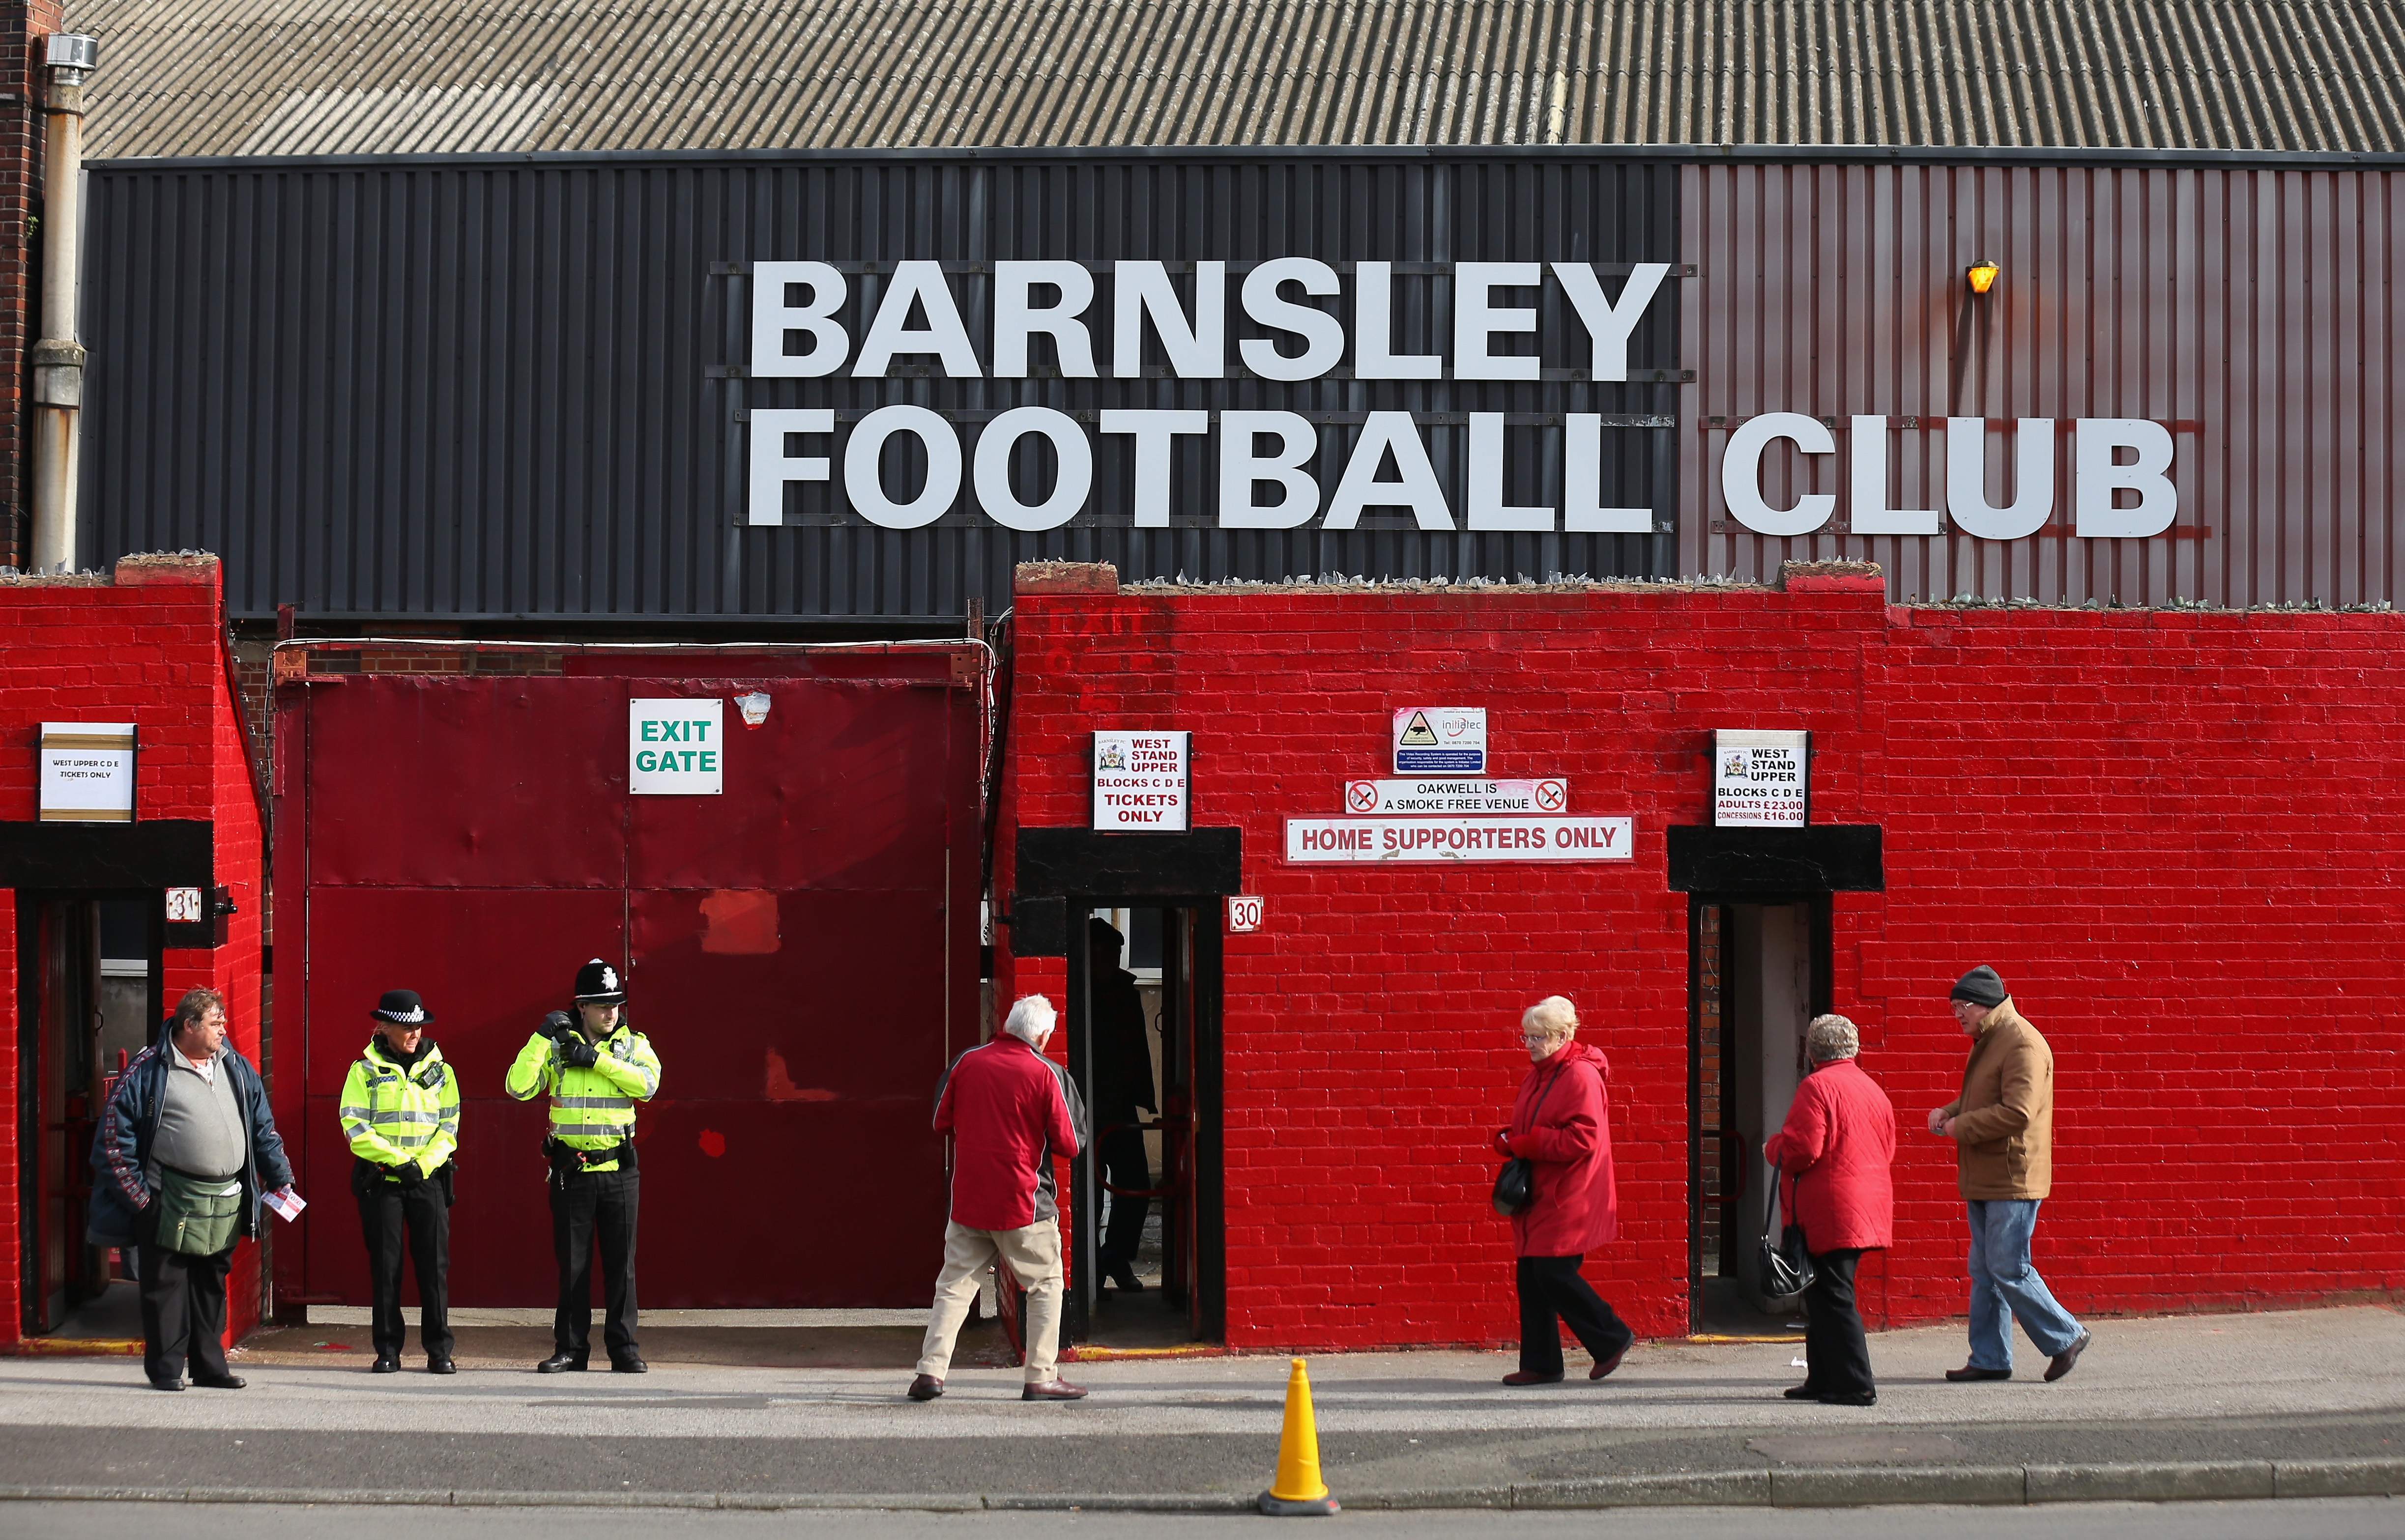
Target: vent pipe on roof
x=58, y=357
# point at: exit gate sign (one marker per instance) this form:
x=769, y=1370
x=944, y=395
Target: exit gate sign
x=674, y=748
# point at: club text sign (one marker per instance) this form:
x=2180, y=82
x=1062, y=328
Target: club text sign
x=1470, y=839
x=1761, y=780
x=675, y=748
x=1140, y=781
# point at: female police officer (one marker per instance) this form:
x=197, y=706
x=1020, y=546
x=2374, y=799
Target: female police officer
x=401, y=1112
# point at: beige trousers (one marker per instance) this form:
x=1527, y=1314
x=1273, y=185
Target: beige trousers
x=1033, y=1254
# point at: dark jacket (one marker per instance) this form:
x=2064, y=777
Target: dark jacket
x=1011, y=1113
x=120, y=1146
x=1839, y=1140
x=1561, y=1125
x=1122, y=1050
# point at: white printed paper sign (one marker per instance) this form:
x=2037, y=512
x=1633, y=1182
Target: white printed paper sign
x=1760, y=779
x=1456, y=796
x=1140, y=782
x=1310, y=841
x=675, y=748
x=1441, y=740
x=87, y=772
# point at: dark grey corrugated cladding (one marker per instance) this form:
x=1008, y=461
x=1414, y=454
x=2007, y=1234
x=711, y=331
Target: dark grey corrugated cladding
x=483, y=385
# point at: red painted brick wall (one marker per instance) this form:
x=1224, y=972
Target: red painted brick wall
x=2175, y=835
x=147, y=648
x=23, y=28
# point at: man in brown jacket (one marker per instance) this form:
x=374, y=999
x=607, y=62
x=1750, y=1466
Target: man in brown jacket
x=2003, y=1129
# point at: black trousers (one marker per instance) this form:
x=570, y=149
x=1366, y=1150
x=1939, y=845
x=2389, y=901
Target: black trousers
x=1837, y=1360
x=592, y=1210
x=183, y=1311
x=1124, y=1165
x=1551, y=1290
x=414, y=1220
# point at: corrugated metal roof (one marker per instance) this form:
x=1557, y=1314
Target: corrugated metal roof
x=334, y=76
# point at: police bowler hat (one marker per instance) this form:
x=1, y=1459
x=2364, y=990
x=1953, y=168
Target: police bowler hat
x=402, y=1008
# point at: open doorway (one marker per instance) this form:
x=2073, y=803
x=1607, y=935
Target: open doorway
x=88, y=973
x=1144, y=1206
x=1758, y=973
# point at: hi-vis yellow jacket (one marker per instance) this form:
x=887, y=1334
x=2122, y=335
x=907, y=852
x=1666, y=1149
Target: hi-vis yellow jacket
x=590, y=1109
x=392, y=1115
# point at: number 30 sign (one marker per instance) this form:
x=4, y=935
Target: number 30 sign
x=1244, y=915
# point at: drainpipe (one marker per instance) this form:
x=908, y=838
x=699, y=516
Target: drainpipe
x=58, y=358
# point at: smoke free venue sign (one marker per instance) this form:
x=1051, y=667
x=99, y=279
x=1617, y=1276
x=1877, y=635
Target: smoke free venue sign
x=1140, y=782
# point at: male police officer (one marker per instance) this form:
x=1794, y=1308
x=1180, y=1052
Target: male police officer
x=401, y=1113
x=596, y=1068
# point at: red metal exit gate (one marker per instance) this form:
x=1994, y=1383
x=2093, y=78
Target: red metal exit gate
x=801, y=948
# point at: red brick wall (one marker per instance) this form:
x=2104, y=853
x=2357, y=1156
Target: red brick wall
x=2175, y=835
x=146, y=647
x=23, y=28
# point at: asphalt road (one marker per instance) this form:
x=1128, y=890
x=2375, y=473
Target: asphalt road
x=2339, y=1519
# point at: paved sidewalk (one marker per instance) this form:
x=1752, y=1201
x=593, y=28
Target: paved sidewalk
x=2209, y=1405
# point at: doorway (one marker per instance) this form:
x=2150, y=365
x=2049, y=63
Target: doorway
x=89, y=978
x=1758, y=971
x=1171, y=948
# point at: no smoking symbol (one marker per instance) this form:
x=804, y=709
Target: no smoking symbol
x=1551, y=795
x=1361, y=796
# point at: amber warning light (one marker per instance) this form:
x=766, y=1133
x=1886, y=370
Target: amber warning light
x=1982, y=275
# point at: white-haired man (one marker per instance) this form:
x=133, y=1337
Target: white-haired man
x=1011, y=1113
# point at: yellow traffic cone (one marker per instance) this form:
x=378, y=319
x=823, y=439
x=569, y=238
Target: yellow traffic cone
x=1297, y=1489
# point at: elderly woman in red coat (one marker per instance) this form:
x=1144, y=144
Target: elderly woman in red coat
x=1561, y=1126
x=1838, y=1141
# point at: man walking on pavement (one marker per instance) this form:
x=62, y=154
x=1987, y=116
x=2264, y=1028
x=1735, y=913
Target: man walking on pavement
x=401, y=1113
x=596, y=1068
x=1122, y=1084
x=2003, y=1129
x=1011, y=1113
x=182, y=1156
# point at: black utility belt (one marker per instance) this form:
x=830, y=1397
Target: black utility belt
x=568, y=1159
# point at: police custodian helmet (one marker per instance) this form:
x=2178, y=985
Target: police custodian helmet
x=599, y=983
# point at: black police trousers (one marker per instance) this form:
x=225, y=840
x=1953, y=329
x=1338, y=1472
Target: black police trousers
x=592, y=1210
x=395, y=1219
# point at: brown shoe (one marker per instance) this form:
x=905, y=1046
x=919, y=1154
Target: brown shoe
x=2062, y=1361
x=1521, y=1377
x=1052, y=1389
x=925, y=1388
x=1971, y=1371
x=1607, y=1366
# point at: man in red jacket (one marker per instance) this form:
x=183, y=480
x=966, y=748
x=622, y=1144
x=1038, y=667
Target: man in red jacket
x=1011, y=1113
x=1838, y=1141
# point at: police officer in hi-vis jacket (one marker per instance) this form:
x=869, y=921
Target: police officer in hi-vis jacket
x=596, y=1068
x=401, y=1113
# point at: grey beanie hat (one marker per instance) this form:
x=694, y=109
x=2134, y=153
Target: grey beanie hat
x=1980, y=987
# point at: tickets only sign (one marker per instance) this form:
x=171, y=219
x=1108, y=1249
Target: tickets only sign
x=1140, y=782
x=675, y=748
x=1761, y=780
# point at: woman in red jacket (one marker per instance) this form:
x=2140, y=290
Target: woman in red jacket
x=1561, y=1126
x=1838, y=1141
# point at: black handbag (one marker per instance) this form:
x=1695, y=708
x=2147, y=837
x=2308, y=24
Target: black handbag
x=1515, y=1184
x=1787, y=1267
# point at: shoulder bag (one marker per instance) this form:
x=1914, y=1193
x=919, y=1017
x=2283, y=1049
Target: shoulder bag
x=1515, y=1185
x=197, y=1217
x=1787, y=1267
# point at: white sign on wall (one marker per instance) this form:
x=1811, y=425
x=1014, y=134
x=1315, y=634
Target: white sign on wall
x=87, y=772
x=1363, y=797
x=1473, y=839
x=1761, y=780
x=1441, y=740
x=676, y=748
x=1140, y=782
x=1243, y=913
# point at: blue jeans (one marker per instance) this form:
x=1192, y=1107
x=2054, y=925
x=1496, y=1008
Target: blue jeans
x=2004, y=1288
